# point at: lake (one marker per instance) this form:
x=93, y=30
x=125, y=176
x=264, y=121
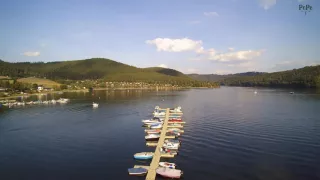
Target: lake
x=230, y=133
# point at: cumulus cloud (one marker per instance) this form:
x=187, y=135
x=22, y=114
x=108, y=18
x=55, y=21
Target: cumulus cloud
x=236, y=56
x=175, y=45
x=266, y=4
x=29, y=53
x=162, y=66
x=211, y=14
x=231, y=49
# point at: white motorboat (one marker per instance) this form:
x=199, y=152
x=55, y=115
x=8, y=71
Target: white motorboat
x=176, y=141
x=152, y=137
x=153, y=122
x=176, y=110
x=137, y=171
x=159, y=114
x=174, y=129
x=63, y=100
x=143, y=155
x=153, y=131
x=170, y=145
x=95, y=105
x=155, y=119
x=168, y=165
x=169, y=173
x=156, y=126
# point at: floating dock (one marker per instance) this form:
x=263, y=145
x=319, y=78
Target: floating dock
x=151, y=175
x=157, y=154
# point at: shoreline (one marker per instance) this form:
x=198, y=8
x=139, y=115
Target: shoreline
x=99, y=89
x=43, y=93
x=161, y=88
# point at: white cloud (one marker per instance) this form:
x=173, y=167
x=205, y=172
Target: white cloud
x=236, y=56
x=211, y=14
x=266, y=4
x=231, y=49
x=31, y=53
x=163, y=66
x=175, y=45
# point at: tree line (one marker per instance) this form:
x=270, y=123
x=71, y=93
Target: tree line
x=304, y=77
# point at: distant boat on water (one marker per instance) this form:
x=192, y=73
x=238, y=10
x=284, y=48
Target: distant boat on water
x=95, y=105
x=291, y=92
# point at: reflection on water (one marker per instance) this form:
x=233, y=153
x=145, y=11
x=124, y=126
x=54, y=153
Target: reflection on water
x=230, y=133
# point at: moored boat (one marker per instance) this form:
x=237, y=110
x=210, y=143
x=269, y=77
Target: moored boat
x=169, y=173
x=159, y=114
x=152, y=137
x=168, y=165
x=95, y=105
x=153, y=131
x=137, y=171
x=153, y=120
x=172, y=141
x=170, y=145
x=156, y=126
x=175, y=120
x=176, y=110
x=143, y=155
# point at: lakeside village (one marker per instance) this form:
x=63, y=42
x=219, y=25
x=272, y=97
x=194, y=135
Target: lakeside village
x=14, y=87
x=11, y=89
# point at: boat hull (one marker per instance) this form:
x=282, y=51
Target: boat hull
x=152, y=139
x=143, y=157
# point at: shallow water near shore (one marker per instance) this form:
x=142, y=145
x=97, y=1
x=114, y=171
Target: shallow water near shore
x=230, y=133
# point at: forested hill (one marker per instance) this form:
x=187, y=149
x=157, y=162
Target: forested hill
x=95, y=68
x=304, y=77
x=217, y=78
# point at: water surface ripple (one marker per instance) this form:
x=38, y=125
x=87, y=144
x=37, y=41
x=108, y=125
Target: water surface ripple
x=230, y=134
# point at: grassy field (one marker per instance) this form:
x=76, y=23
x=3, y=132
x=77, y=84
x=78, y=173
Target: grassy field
x=4, y=77
x=39, y=81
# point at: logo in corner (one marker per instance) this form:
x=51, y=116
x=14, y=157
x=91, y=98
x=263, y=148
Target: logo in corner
x=305, y=8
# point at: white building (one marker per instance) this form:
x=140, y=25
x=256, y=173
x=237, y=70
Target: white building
x=40, y=88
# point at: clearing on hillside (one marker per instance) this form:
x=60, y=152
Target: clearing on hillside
x=4, y=77
x=39, y=81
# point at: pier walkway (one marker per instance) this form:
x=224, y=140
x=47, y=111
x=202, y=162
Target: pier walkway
x=157, y=154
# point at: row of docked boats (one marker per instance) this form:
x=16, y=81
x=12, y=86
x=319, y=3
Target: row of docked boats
x=170, y=146
x=23, y=103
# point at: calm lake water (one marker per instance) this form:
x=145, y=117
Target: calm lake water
x=230, y=134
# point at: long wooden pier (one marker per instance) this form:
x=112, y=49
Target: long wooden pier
x=157, y=154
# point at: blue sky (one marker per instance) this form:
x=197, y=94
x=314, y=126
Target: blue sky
x=193, y=36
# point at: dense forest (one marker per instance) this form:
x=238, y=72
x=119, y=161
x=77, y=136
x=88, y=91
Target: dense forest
x=216, y=77
x=98, y=68
x=304, y=77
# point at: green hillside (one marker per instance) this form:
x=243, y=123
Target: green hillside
x=304, y=77
x=217, y=78
x=95, y=68
x=39, y=81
